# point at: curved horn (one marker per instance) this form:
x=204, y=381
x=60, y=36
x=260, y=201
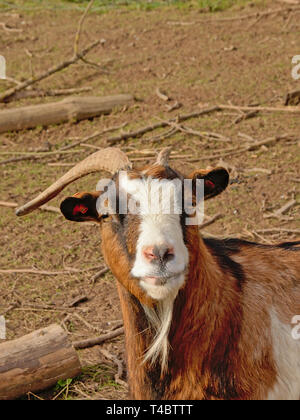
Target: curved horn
x=110, y=160
x=163, y=157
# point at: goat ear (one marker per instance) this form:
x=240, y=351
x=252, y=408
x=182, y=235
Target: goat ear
x=81, y=207
x=215, y=181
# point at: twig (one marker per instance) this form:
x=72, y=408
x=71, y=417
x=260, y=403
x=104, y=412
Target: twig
x=165, y=135
x=34, y=155
x=99, y=274
x=8, y=29
x=278, y=214
x=44, y=207
x=90, y=342
x=234, y=151
x=288, y=109
x=176, y=105
x=80, y=24
x=119, y=364
x=86, y=323
x=43, y=93
x=245, y=116
x=279, y=230
x=211, y=220
x=162, y=95
x=140, y=132
x=93, y=136
x=262, y=170
x=46, y=273
x=174, y=157
x=202, y=135
x=77, y=301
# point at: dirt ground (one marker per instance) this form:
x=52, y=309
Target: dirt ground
x=198, y=60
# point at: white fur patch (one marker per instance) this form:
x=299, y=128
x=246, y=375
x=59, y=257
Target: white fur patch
x=160, y=320
x=159, y=205
x=287, y=358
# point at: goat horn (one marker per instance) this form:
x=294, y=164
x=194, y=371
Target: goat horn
x=111, y=160
x=163, y=156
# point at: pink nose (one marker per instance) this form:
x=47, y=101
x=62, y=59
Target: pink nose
x=158, y=253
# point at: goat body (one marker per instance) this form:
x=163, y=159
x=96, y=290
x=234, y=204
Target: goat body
x=230, y=334
x=203, y=318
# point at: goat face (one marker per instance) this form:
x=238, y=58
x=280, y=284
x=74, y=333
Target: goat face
x=150, y=228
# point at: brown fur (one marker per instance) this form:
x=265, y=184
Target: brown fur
x=220, y=337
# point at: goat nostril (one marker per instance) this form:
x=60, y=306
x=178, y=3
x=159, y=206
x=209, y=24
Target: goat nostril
x=168, y=255
x=149, y=253
x=161, y=253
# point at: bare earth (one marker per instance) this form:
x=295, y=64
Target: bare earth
x=196, y=63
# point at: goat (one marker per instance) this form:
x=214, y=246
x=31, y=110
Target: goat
x=203, y=318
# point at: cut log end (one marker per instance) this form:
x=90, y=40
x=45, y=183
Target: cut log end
x=36, y=362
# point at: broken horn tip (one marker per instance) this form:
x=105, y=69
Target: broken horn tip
x=163, y=156
x=18, y=212
x=21, y=211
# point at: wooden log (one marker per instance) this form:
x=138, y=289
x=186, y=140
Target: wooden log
x=36, y=361
x=72, y=108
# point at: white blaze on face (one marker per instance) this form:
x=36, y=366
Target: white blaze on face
x=159, y=205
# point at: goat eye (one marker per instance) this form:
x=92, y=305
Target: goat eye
x=104, y=216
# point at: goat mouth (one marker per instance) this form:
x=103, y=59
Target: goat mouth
x=155, y=281
x=160, y=280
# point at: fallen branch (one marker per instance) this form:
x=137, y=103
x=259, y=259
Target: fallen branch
x=91, y=342
x=248, y=16
x=288, y=109
x=180, y=118
x=140, y=132
x=233, y=151
x=73, y=108
x=202, y=135
x=29, y=82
